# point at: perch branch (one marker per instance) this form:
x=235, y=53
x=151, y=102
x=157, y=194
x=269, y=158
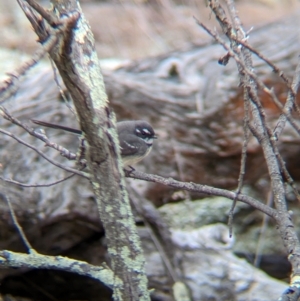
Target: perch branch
x=75, y=57
x=193, y=187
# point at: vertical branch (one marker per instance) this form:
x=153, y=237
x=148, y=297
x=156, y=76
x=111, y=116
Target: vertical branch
x=243, y=163
x=262, y=132
x=290, y=103
x=78, y=64
x=244, y=148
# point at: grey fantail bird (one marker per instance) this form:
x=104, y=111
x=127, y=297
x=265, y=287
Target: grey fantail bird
x=135, y=136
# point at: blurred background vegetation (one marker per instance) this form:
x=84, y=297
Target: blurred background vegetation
x=134, y=29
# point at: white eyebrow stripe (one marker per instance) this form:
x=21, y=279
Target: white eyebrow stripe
x=137, y=130
x=146, y=131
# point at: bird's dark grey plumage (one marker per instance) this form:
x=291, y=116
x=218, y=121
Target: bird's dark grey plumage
x=135, y=136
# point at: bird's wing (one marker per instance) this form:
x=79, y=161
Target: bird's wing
x=131, y=145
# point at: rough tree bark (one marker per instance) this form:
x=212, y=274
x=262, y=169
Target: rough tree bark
x=75, y=57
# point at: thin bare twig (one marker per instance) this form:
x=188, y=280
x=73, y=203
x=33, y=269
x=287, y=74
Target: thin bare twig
x=50, y=40
x=238, y=26
x=262, y=233
x=261, y=85
x=63, y=151
x=37, y=21
x=286, y=173
x=50, y=18
x=61, y=91
x=36, y=185
x=290, y=102
x=245, y=145
x=10, y=86
x=190, y=186
x=66, y=168
x=265, y=139
x=243, y=163
x=258, y=104
x=31, y=285
x=18, y=226
x=275, y=69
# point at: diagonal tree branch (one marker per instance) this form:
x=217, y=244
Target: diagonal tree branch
x=34, y=260
x=262, y=132
x=76, y=59
x=193, y=187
